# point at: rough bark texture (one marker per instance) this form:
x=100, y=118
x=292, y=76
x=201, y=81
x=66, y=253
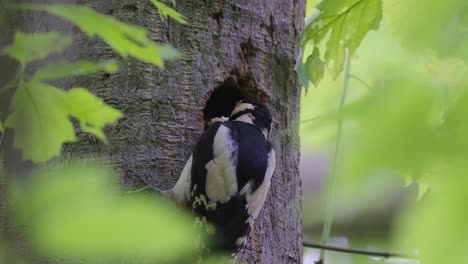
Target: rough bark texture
x=253, y=43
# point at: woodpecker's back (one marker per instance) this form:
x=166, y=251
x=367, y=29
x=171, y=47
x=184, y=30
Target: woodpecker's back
x=227, y=178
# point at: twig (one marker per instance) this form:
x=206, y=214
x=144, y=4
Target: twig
x=359, y=251
x=361, y=81
x=331, y=195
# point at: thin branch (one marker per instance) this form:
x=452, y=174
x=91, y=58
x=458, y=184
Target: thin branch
x=382, y=254
x=364, y=83
x=331, y=195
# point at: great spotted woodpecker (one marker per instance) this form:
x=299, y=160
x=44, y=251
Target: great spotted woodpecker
x=227, y=177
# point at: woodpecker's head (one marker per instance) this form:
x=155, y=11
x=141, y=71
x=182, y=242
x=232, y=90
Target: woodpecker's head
x=253, y=112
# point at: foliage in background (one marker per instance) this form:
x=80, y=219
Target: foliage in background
x=406, y=115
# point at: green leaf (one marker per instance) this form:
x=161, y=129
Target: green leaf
x=315, y=67
x=1, y=127
x=91, y=111
x=31, y=47
x=348, y=21
x=72, y=211
x=166, y=11
x=125, y=39
x=39, y=117
x=64, y=69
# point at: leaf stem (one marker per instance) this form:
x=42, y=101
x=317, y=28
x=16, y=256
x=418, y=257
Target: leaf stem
x=329, y=214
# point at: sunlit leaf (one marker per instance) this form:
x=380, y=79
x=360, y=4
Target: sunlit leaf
x=73, y=212
x=125, y=39
x=65, y=69
x=93, y=113
x=39, y=117
x=30, y=47
x=348, y=21
x=166, y=11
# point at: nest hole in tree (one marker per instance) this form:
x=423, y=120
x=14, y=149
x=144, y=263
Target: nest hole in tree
x=223, y=98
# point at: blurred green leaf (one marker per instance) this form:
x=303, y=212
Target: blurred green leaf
x=40, y=120
x=72, y=212
x=315, y=67
x=93, y=113
x=348, y=21
x=440, y=24
x=125, y=39
x=31, y=47
x=1, y=127
x=65, y=69
x=436, y=226
x=166, y=11
x=394, y=126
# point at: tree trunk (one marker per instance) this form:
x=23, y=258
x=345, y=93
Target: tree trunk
x=238, y=47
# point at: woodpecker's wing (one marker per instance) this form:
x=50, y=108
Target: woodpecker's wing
x=256, y=197
x=256, y=164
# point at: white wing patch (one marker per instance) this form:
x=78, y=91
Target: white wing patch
x=256, y=199
x=181, y=190
x=221, y=177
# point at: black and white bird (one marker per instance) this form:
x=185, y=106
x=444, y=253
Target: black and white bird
x=226, y=180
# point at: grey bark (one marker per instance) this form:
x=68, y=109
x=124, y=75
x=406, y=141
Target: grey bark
x=253, y=43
